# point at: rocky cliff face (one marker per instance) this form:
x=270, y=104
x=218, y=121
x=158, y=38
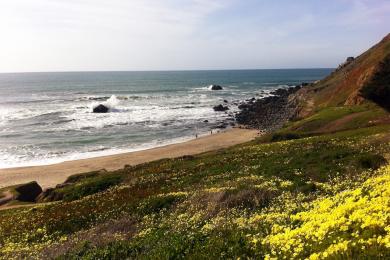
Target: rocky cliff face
x=344, y=86
x=357, y=80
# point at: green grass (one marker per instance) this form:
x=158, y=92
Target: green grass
x=82, y=185
x=318, y=123
x=10, y=189
x=83, y=176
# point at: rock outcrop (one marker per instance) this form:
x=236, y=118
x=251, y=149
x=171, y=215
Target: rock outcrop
x=100, y=109
x=220, y=108
x=216, y=87
x=49, y=195
x=28, y=192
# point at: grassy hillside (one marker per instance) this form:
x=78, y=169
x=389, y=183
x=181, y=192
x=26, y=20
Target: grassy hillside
x=246, y=201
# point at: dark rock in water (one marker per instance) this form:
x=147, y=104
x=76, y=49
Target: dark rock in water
x=216, y=87
x=220, y=108
x=206, y=121
x=100, y=109
x=304, y=84
x=225, y=101
x=28, y=192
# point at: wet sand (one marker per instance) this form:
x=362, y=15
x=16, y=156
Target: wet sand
x=51, y=175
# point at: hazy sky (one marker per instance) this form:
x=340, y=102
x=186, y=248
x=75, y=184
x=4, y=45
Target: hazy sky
x=62, y=35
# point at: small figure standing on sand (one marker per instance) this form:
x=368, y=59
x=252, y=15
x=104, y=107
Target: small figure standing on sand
x=196, y=135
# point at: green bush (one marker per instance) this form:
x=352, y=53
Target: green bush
x=90, y=186
x=82, y=176
x=285, y=136
x=372, y=161
x=155, y=204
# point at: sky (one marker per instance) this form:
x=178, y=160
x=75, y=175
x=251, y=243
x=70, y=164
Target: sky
x=106, y=35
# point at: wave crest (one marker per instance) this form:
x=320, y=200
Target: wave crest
x=110, y=103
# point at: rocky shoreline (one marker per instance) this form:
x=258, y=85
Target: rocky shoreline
x=266, y=114
x=269, y=113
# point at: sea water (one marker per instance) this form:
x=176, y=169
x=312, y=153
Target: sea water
x=47, y=118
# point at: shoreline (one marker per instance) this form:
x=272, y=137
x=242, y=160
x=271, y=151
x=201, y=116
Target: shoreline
x=50, y=175
x=108, y=152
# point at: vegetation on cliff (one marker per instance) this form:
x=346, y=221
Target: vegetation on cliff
x=351, y=84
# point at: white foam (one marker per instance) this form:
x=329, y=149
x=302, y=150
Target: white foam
x=38, y=159
x=111, y=103
x=150, y=111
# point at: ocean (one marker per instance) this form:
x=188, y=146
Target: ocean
x=47, y=118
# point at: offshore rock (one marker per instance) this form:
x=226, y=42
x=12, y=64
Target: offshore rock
x=220, y=108
x=216, y=87
x=100, y=109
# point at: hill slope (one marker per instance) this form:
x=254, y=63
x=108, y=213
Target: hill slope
x=344, y=86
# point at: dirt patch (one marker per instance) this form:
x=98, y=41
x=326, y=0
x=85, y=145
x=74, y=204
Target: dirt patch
x=339, y=123
x=113, y=230
x=381, y=121
x=214, y=202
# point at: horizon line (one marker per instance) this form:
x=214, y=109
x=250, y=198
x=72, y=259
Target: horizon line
x=174, y=70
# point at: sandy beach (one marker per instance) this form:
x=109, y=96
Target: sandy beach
x=51, y=175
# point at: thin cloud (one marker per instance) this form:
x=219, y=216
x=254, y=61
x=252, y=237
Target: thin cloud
x=45, y=35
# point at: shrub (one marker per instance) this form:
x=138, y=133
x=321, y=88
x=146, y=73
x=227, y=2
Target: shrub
x=372, y=161
x=155, y=204
x=90, y=186
x=378, y=89
x=284, y=136
x=82, y=176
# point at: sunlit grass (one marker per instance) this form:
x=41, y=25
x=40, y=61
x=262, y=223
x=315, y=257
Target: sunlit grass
x=252, y=200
